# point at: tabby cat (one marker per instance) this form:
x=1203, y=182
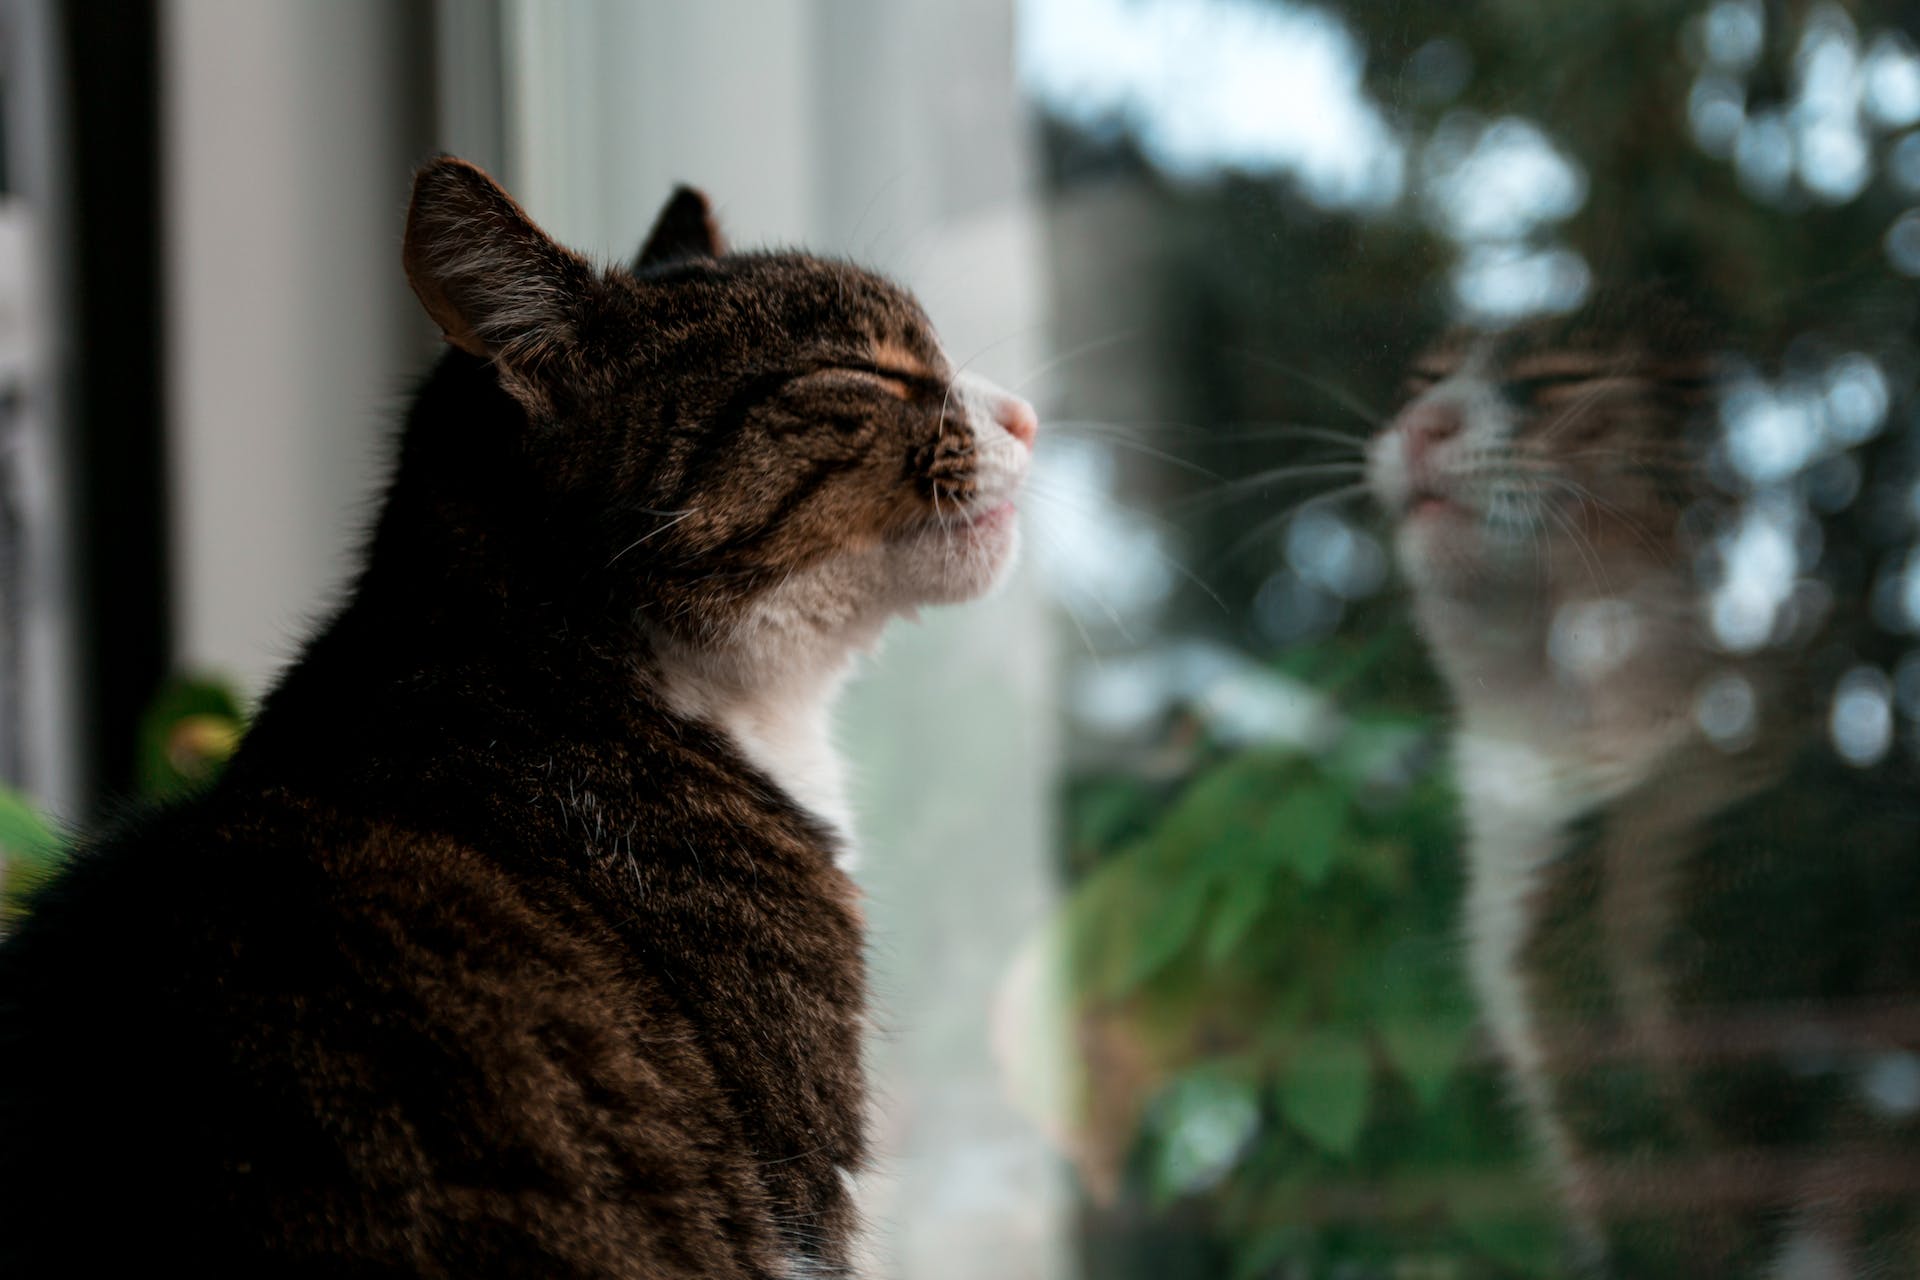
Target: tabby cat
x=512, y=942
x=1692, y=927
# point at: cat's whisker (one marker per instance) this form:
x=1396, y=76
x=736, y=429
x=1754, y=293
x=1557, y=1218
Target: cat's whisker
x=1076, y=353
x=1123, y=442
x=1081, y=512
x=1074, y=501
x=1259, y=431
x=997, y=343
x=1273, y=522
x=1099, y=601
x=654, y=532
x=1333, y=391
x=1099, y=428
x=1235, y=490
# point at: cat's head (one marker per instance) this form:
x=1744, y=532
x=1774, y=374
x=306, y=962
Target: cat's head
x=718, y=433
x=1546, y=463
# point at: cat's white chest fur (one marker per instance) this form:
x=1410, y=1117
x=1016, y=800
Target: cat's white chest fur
x=1520, y=798
x=1516, y=807
x=772, y=691
x=784, y=728
x=788, y=736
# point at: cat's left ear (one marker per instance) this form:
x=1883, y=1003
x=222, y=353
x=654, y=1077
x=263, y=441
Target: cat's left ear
x=496, y=284
x=684, y=230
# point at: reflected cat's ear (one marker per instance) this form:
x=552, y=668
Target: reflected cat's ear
x=495, y=283
x=684, y=230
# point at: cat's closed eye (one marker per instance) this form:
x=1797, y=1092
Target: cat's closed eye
x=1423, y=379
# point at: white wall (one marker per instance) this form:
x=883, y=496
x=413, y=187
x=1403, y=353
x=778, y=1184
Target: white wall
x=290, y=130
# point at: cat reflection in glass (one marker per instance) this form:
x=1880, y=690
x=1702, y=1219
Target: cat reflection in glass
x=1692, y=917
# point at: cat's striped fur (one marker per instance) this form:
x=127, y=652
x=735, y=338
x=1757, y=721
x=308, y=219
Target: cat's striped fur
x=512, y=941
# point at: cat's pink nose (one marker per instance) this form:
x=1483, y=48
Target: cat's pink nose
x=1018, y=417
x=1426, y=425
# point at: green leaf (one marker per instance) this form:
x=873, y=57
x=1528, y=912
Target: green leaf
x=30, y=851
x=1164, y=929
x=1214, y=826
x=1101, y=924
x=1381, y=863
x=1307, y=826
x=1422, y=1012
x=25, y=835
x=1529, y=1245
x=1425, y=1053
x=1107, y=812
x=1325, y=1090
x=1203, y=1122
x=1262, y=1255
x=1241, y=905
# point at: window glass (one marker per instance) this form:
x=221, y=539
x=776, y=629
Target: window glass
x=1480, y=503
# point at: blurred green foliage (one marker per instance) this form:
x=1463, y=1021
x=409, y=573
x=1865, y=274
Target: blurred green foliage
x=187, y=734
x=1277, y=1054
x=1275, y=1067
x=30, y=848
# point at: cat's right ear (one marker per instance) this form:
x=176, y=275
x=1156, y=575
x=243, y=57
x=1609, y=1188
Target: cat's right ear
x=496, y=284
x=685, y=229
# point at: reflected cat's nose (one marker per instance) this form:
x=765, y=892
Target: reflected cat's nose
x=1017, y=417
x=1426, y=425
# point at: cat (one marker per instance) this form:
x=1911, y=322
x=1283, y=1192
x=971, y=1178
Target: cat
x=512, y=942
x=1692, y=929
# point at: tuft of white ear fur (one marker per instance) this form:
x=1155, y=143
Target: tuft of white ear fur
x=497, y=285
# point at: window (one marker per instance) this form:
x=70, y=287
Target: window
x=1438, y=800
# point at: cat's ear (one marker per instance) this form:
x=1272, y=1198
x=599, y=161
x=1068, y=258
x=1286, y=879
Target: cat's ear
x=685, y=229
x=495, y=283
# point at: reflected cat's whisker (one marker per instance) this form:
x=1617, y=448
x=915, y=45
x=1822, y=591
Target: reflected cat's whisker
x=1639, y=530
x=1580, y=545
x=1584, y=405
x=1678, y=460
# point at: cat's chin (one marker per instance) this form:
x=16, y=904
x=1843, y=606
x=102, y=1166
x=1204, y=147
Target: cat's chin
x=956, y=563
x=1440, y=545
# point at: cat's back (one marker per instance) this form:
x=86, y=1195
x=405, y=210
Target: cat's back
x=271, y=1032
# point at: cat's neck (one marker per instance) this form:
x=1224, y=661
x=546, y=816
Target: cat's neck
x=1601, y=686
x=769, y=683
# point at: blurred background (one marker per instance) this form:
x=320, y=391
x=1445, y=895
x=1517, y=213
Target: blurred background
x=1171, y=989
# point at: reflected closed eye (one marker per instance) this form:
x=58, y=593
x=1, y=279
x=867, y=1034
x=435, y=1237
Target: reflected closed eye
x=1529, y=390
